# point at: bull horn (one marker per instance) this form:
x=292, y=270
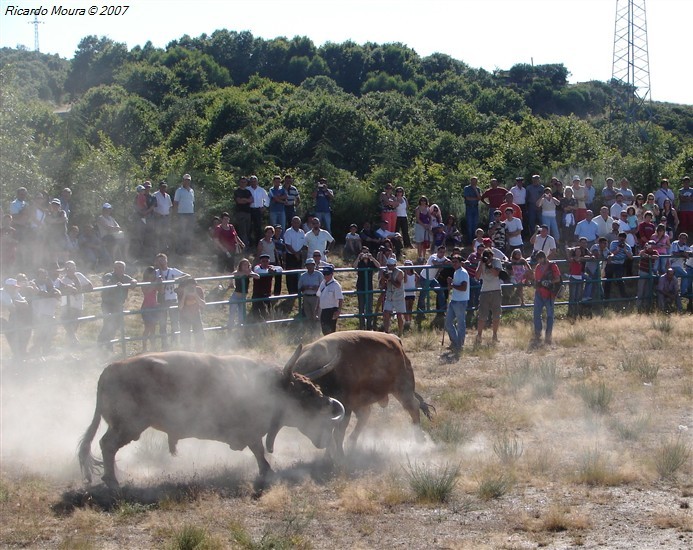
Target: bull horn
x=322, y=371
x=339, y=405
x=291, y=363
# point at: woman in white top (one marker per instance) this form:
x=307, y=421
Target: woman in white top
x=402, y=226
x=547, y=202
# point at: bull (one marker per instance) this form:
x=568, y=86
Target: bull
x=360, y=368
x=231, y=399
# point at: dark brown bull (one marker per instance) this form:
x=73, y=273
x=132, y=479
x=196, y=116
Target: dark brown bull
x=230, y=399
x=360, y=368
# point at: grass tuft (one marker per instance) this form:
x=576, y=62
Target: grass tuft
x=597, y=397
x=431, y=483
x=671, y=455
x=494, y=484
x=191, y=537
x=508, y=448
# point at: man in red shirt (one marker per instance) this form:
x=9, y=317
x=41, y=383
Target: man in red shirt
x=494, y=197
x=546, y=277
x=227, y=243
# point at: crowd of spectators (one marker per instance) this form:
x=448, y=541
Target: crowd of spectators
x=506, y=238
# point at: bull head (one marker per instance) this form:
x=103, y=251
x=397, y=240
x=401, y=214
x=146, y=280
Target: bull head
x=288, y=370
x=338, y=408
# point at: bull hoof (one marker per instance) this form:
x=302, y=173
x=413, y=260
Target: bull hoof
x=111, y=483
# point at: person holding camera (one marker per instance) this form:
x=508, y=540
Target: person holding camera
x=394, y=296
x=323, y=197
x=366, y=265
x=546, y=277
x=488, y=273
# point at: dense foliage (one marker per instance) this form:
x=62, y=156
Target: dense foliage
x=228, y=104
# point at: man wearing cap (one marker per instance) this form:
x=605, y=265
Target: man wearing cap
x=646, y=276
x=262, y=288
x=112, y=302
x=72, y=284
x=394, y=296
x=184, y=209
x=455, y=323
x=162, y=216
x=257, y=209
x=472, y=196
x=366, y=265
x=685, y=207
x=535, y=191
x=323, y=197
x=17, y=325
x=308, y=285
x=331, y=301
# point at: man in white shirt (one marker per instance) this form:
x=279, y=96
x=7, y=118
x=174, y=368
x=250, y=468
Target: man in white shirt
x=295, y=243
x=513, y=229
x=184, y=208
x=331, y=301
x=162, y=216
x=543, y=241
x=168, y=299
x=455, y=323
x=603, y=222
x=664, y=193
x=618, y=207
x=318, y=239
x=384, y=232
x=72, y=284
x=257, y=210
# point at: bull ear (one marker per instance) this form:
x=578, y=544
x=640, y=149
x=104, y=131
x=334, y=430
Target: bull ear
x=291, y=363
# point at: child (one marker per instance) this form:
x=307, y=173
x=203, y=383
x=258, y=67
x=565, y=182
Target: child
x=150, y=306
x=241, y=282
x=521, y=274
x=352, y=243
x=191, y=301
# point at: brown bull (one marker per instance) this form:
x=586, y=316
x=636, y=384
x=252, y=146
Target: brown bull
x=360, y=368
x=230, y=399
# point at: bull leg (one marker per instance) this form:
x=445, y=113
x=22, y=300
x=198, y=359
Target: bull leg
x=338, y=436
x=264, y=468
x=412, y=405
x=362, y=416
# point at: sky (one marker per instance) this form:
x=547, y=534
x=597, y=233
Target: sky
x=493, y=34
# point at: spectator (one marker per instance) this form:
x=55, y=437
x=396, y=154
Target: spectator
x=368, y=237
x=472, y=196
x=682, y=264
x=548, y=203
x=542, y=241
x=615, y=267
x=626, y=191
x=632, y=220
x=494, y=196
x=257, y=209
x=521, y=275
x=577, y=257
x=293, y=199
x=664, y=193
x=588, y=229
x=453, y=237
x=624, y=226
x=280, y=253
x=620, y=205
x=8, y=245
x=569, y=208
x=546, y=278
x=227, y=243
x=422, y=227
x=647, y=266
x=149, y=309
x=319, y=239
x=56, y=230
x=509, y=203
x=638, y=206
x=323, y=197
x=319, y=259
x=662, y=242
x=112, y=302
x=92, y=250
x=367, y=265
x=295, y=243
x=685, y=209
x=266, y=245
x=646, y=229
x=262, y=288
x=590, y=194
x=71, y=247
x=243, y=198
x=184, y=209
x=72, y=285
x=609, y=193
x=436, y=221
x=601, y=254
x=44, y=303
x=16, y=318
x=429, y=280
x=558, y=193
x=651, y=206
x=488, y=272
x=670, y=218
x=384, y=233
x=308, y=285
x=240, y=281
x=388, y=206
x=668, y=292
x=394, y=296
x=402, y=211
x=519, y=193
x=162, y=217
x=112, y=236
x=455, y=318
x=535, y=191
x=191, y=302
x=65, y=199
x=352, y=243
x=411, y=283
x=331, y=300
x=277, y=203
x=479, y=238
x=579, y=193
x=513, y=229
x=168, y=299
x=603, y=221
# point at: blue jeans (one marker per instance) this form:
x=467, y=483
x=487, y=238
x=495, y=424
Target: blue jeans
x=277, y=218
x=236, y=310
x=457, y=332
x=574, y=295
x=325, y=220
x=686, y=275
x=540, y=304
x=553, y=226
x=472, y=217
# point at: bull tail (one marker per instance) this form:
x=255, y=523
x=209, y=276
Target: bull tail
x=428, y=409
x=87, y=463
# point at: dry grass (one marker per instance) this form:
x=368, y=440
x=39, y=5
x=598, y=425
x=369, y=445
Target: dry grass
x=572, y=432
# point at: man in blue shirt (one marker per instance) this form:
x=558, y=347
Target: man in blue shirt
x=472, y=196
x=615, y=267
x=277, y=201
x=457, y=308
x=587, y=228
